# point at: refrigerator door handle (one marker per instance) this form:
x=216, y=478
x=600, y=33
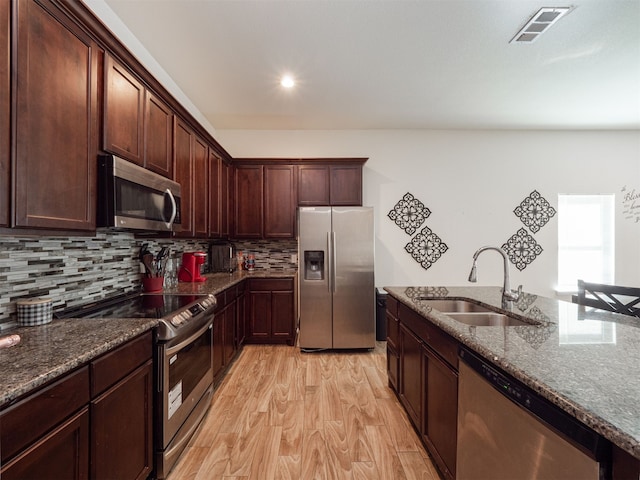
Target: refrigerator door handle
x=329, y=261
x=334, y=262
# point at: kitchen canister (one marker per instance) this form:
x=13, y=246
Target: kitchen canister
x=34, y=311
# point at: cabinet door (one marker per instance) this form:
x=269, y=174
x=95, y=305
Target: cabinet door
x=282, y=316
x=248, y=201
x=240, y=319
x=411, y=375
x=229, y=335
x=118, y=452
x=218, y=345
x=346, y=185
x=56, y=121
x=158, y=136
x=200, y=182
x=63, y=453
x=5, y=111
x=279, y=201
x=123, y=112
x=313, y=185
x=259, y=324
x=441, y=412
x=183, y=171
x=393, y=343
x=215, y=194
x=226, y=196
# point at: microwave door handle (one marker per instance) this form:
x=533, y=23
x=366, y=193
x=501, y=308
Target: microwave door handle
x=175, y=208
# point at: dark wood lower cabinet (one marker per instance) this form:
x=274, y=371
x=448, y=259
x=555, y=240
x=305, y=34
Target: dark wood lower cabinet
x=228, y=316
x=411, y=384
x=95, y=422
x=270, y=315
x=61, y=454
x=121, y=432
x=440, y=419
x=422, y=369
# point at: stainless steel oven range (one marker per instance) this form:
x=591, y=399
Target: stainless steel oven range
x=182, y=362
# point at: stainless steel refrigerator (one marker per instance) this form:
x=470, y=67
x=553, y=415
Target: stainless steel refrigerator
x=336, y=280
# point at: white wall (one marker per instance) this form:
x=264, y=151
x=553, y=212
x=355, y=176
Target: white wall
x=471, y=181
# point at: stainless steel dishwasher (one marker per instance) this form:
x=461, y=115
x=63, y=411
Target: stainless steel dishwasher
x=507, y=431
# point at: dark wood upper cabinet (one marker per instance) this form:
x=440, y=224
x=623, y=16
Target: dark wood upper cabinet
x=215, y=194
x=183, y=169
x=313, y=185
x=279, y=201
x=335, y=182
x=56, y=120
x=123, y=112
x=158, y=135
x=248, y=208
x=200, y=185
x=5, y=110
x=345, y=183
x=226, y=196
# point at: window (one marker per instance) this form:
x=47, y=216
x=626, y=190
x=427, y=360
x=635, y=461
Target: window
x=585, y=240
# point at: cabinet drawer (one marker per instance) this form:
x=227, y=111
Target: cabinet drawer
x=29, y=419
x=439, y=341
x=270, y=284
x=221, y=300
x=444, y=345
x=111, y=367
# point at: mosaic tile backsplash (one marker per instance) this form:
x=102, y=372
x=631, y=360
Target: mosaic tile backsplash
x=76, y=270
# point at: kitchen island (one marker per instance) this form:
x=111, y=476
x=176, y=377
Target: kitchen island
x=583, y=361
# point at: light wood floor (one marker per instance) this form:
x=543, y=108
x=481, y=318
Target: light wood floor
x=283, y=414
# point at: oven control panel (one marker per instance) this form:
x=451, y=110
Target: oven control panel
x=192, y=311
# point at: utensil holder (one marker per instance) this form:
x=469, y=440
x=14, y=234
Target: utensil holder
x=152, y=284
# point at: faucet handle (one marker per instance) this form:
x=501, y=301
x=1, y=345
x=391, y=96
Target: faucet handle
x=517, y=293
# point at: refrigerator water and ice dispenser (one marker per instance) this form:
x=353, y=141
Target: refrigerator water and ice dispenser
x=313, y=265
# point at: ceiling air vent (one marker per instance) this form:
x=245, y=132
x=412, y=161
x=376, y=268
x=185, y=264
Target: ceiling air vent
x=539, y=23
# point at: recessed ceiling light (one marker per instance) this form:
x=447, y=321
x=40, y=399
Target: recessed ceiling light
x=287, y=81
x=539, y=23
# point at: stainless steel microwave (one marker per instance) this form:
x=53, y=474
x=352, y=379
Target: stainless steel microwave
x=133, y=198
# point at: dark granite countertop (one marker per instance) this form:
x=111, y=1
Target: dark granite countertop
x=48, y=351
x=586, y=363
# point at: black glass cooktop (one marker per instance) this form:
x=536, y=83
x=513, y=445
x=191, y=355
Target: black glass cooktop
x=132, y=306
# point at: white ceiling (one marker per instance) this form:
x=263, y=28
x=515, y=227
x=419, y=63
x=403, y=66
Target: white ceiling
x=396, y=64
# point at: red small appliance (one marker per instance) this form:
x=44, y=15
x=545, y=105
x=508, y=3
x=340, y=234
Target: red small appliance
x=190, y=269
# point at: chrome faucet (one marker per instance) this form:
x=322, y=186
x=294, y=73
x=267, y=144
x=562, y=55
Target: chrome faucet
x=508, y=296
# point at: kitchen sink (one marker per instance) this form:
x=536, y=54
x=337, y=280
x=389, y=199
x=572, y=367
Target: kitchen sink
x=473, y=314
x=450, y=306
x=487, y=319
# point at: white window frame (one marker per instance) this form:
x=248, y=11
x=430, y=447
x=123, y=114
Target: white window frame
x=598, y=238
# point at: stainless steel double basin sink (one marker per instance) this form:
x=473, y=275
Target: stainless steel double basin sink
x=473, y=314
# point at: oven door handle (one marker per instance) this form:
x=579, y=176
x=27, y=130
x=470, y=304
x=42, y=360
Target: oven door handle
x=191, y=339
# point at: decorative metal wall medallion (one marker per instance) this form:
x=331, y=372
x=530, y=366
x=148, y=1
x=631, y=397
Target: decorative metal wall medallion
x=522, y=249
x=409, y=213
x=534, y=211
x=426, y=247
